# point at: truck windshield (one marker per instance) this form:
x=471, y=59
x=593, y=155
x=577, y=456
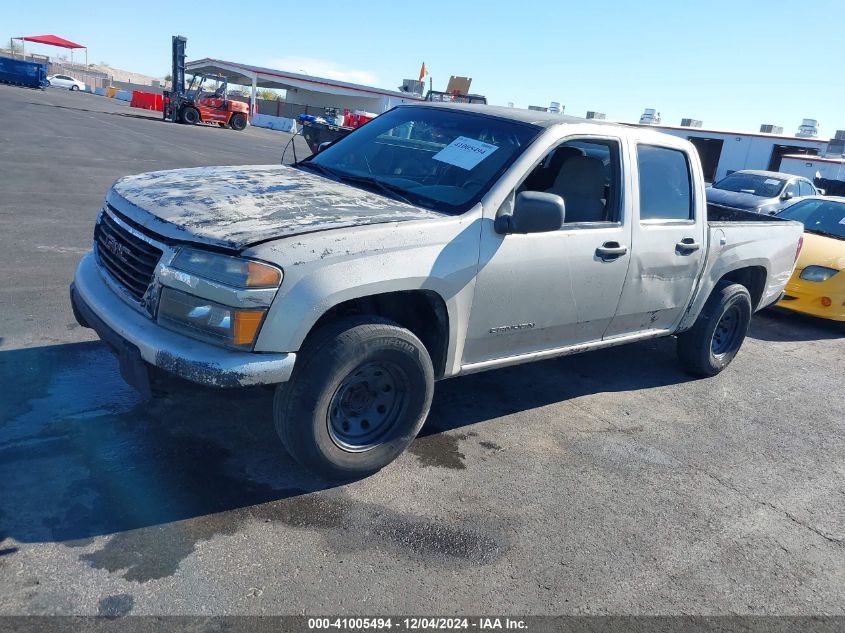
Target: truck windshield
x=755, y=184
x=824, y=217
x=437, y=158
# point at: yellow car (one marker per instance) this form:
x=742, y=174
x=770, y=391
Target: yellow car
x=817, y=286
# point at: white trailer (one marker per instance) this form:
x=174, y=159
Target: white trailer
x=726, y=151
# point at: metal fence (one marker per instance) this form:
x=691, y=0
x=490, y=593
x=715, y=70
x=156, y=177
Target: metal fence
x=92, y=78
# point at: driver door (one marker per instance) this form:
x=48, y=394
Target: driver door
x=542, y=291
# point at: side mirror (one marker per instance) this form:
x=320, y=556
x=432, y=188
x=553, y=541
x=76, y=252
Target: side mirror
x=533, y=212
x=324, y=145
x=787, y=195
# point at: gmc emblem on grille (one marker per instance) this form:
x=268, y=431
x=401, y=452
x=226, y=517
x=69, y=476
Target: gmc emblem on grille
x=116, y=248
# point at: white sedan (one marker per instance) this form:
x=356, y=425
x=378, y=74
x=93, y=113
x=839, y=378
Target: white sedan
x=66, y=81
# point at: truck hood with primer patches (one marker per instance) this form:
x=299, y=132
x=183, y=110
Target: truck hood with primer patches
x=234, y=207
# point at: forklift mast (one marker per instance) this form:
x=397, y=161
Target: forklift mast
x=175, y=97
x=178, y=74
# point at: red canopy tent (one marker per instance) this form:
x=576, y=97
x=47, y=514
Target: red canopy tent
x=55, y=40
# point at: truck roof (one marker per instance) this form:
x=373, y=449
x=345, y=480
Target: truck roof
x=534, y=117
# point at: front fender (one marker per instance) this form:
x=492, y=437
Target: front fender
x=328, y=268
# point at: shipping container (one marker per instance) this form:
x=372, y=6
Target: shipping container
x=21, y=73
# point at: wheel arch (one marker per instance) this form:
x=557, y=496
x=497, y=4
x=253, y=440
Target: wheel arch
x=422, y=311
x=753, y=278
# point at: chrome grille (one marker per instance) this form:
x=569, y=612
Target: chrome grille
x=127, y=258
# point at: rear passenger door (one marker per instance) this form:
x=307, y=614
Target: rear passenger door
x=668, y=241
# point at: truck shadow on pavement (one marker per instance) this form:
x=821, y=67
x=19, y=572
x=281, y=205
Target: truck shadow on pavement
x=82, y=456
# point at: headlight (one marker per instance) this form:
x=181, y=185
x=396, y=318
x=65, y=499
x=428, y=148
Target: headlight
x=214, y=322
x=232, y=271
x=817, y=273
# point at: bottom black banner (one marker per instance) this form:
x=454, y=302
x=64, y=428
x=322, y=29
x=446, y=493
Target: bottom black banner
x=424, y=624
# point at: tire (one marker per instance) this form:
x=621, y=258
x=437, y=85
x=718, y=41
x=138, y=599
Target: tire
x=74, y=88
x=718, y=332
x=237, y=122
x=347, y=374
x=190, y=116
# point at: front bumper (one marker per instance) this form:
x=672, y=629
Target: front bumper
x=138, y=340
x=806, y=297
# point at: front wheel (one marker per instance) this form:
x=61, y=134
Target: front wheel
x=190, y=116
x=238, y=122
x=74, y=88
x=718, y=332
x=359, y=395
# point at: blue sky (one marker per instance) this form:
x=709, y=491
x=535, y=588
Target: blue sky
x=733, y=64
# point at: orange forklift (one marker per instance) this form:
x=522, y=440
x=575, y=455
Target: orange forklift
x=198, y=104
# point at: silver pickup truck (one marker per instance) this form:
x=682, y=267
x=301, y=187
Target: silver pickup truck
x=435, y=241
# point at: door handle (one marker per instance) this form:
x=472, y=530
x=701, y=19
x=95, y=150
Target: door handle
x=687, y=245
x=610, y=251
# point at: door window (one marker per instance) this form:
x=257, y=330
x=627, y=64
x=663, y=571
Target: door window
x=665, y=184
x=792, y=188
x=586, y=174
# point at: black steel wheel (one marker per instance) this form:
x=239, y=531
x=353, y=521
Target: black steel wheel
x=238, y=122
x=367, y=405
x=717, y=334
x=190, y=116
x=359, y=394
x=727, y=332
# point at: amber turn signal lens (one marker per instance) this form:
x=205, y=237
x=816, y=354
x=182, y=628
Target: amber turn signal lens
x=246, y=326
x=259, y=275
x=826, y=302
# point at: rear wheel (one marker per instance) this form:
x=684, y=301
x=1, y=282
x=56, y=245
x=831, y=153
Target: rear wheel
x=238, y=121
x=190, y=116
x=359, y=394
x=715, y=338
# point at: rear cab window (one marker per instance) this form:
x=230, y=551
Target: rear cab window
x=665, y=184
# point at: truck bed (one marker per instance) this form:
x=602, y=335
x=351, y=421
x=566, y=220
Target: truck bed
x=747, y=240
x=716, y=213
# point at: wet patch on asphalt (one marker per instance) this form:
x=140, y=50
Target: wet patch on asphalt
x=115, y=606
x=441, y=450
x=353, y=526
x=82, y=458
x=346, y=526
x=491, y=446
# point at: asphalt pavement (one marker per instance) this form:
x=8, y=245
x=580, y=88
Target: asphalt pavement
x=605, y=483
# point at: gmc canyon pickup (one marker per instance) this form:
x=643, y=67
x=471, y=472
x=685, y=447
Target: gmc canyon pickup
x=436, y=240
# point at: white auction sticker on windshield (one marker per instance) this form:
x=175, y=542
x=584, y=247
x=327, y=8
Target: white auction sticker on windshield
x=772, y=181
x=465, y=152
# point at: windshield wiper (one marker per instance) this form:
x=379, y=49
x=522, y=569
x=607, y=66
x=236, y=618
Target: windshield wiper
x=392, y=191
x=326, y=171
